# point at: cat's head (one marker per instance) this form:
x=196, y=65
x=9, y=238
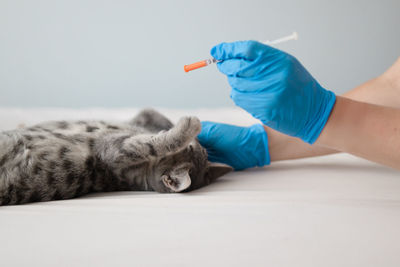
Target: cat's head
x=186, y=170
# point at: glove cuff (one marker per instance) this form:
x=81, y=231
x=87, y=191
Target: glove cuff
x=261, y=147
x=317, y=125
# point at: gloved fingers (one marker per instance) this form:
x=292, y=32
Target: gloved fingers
x=205, y=136
x=235, y=67
x=243, y=68
x=213, y=133
x=248, y=50
x=245, y=85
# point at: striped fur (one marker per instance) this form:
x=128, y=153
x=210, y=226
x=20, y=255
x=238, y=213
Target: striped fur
x=63, y=160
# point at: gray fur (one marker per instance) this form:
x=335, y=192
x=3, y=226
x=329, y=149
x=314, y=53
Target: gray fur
x=62, y=160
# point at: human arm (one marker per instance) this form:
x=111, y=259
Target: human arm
x=383, y=90
x=365, y=130
x=275, y=88
x=245, y=147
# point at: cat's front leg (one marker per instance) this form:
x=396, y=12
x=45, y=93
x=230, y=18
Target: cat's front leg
x=177, y=138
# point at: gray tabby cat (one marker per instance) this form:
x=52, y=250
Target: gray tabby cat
x=62, y=160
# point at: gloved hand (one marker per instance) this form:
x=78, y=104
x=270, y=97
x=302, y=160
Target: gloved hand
x=239, y=147
x=275, y=88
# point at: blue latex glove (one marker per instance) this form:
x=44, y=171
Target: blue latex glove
x=275, y=88
x=239, y=147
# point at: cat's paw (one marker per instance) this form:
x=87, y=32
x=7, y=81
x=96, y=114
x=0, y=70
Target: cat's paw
x=190, y=126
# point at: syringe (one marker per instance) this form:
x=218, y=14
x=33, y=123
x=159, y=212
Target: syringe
x=206, y=62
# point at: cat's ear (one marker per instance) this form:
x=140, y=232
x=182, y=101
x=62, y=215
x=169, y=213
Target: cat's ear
x=216, y=170
x=177, y=181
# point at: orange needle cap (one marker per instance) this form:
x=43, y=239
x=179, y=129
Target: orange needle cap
x=194, y=66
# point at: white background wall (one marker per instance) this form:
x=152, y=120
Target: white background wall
x=79, y=53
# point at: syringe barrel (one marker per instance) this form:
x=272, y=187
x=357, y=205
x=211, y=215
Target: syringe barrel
x=203, y=63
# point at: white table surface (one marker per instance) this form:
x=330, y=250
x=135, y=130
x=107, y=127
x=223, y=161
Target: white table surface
x=334, y=210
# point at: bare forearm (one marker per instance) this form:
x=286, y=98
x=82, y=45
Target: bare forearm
x=384, y=90
x=365, y=130
x=284, y=147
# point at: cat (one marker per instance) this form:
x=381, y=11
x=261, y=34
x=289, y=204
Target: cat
x=63, y=160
